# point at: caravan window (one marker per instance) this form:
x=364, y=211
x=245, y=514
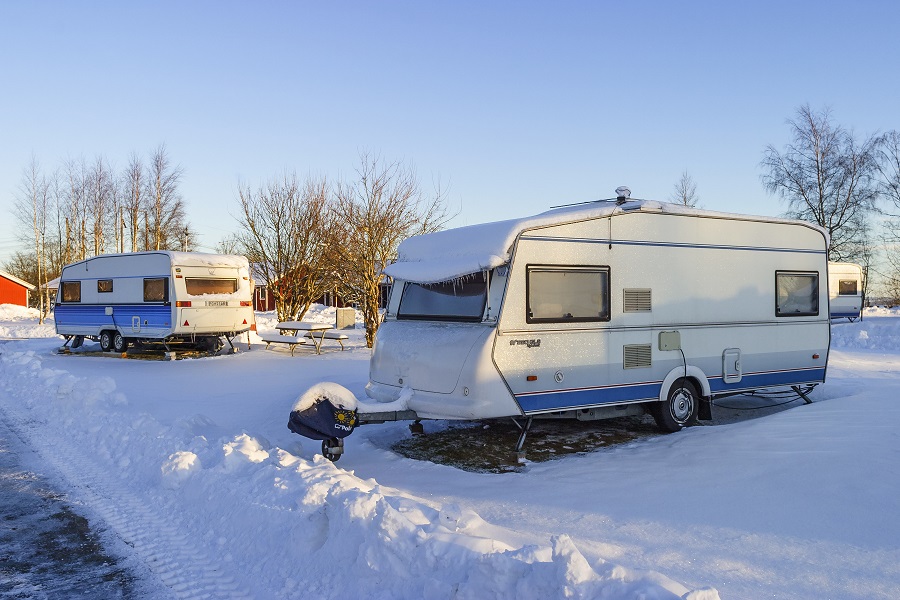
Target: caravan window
x=558, y=294
x=796, y=294
x=460, y=300
x=104, y=285
x=156, y=290
x=847, y=287
x=197, y=286
x=71, y=291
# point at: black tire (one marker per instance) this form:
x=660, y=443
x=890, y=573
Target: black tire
x=120, y=343
x=77, y=341
x=106, y=340
x=679, y=409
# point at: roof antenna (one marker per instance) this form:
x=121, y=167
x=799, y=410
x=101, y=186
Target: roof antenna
x=622, y=195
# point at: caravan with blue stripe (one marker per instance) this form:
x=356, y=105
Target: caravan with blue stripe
x=598, y=310
x=162, y=297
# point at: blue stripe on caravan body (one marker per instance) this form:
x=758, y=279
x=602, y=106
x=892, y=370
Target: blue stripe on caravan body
x=584, y=397
x=771, y=378
x=844, y=314
x=567, y=399
x=157, y=316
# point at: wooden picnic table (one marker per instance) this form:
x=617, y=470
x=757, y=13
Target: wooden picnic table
x=311, y=328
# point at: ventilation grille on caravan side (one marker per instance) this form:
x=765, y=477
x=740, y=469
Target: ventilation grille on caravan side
x=636, y=356
x=636, y=301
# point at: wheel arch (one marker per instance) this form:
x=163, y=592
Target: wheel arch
x=694, y=374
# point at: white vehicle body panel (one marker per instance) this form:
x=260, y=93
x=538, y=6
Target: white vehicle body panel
x=708, y=281
x=845, y=290
x=175, y=314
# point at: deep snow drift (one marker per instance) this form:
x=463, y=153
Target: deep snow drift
x=191, y=464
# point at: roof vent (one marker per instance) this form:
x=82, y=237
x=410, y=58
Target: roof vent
x=622, y=194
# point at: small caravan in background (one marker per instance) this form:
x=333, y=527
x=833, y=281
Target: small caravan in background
x=163, y=297
x=597, y=310
x=845, y=290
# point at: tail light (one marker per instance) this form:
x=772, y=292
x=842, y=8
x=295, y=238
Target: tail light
x=245, y=303
x=183, y=303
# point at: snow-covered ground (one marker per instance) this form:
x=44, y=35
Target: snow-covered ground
x=191, y=464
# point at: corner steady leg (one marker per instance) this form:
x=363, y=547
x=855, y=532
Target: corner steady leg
x=520, y=454
x=803, y=393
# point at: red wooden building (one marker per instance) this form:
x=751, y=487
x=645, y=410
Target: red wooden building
x=13, y=290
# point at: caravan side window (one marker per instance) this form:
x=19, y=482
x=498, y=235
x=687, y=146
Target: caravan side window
x=71, y=291
x=567, y=294
x=796, y=294
x=156, y=290
x=104, y=285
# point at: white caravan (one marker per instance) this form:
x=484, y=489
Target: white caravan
x=165, y=297
x=845, y=290
x=598, y=310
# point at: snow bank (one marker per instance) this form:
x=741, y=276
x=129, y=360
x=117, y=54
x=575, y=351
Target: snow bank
x=208, y=500
x=19, y=322
x=870, y=333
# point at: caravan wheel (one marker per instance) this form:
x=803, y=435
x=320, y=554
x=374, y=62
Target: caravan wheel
x=106, y=341
x=680, y=408
x=120, y=344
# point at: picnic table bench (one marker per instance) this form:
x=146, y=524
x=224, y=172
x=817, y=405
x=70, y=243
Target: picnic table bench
x=289, y=333
x=292, y=341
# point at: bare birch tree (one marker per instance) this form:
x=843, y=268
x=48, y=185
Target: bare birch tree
x=685, y=192
x=31, y=207
x=827, y=177
x=165, y=216
x=287, y=233
x=76, y=211
x=134, y=189
x=100, y=203
x=382, y=207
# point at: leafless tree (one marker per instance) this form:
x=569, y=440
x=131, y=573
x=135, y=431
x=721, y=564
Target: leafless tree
x=382, y=207
x=827, y=177
x=31, y=206
x=231, y=244
x=100, y=203
x=76, y=210
x=165, y=218
x=888, y=166
x=287, y=232
x=134, y=192
x=685, y=191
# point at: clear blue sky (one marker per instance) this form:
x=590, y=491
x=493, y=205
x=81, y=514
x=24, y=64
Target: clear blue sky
x=518, y=106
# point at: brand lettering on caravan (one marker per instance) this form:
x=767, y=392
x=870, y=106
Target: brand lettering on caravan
x=526, y=343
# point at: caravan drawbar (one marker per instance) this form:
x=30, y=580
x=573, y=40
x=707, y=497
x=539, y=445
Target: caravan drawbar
x=597, y=310
x=154, y=297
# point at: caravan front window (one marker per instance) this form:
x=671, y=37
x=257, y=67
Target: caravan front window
x=460, y=300
x=563, y=294
x=796, y=294
x=847, y=287
x=197, y=286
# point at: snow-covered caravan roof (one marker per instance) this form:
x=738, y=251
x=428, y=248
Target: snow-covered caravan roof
x=182, y=259
x=452, y=253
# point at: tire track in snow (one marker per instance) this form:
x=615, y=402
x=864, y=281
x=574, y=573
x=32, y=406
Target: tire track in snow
x=157, y=539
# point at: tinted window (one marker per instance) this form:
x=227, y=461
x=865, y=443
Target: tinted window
x=461, y=300
x=796, y=294
x=567, y=294
x=156, y=290
x=71, y=291
x=104, y=285
x=197, y=286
